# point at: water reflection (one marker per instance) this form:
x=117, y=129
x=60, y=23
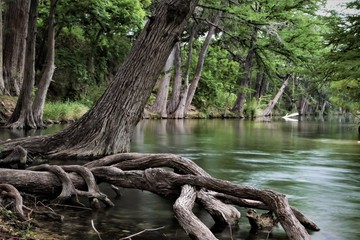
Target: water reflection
x=316, y=164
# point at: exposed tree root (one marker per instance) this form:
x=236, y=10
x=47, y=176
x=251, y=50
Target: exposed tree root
x=188, y=183
x=7, y=190
x=17, y=156
x=187, y=219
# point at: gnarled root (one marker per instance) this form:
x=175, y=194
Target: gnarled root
x=68, y=189
x=187, y=219
x=7, y=190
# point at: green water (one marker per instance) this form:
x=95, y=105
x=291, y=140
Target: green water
x=316, y=164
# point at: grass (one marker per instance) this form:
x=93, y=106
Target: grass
x=64, y=111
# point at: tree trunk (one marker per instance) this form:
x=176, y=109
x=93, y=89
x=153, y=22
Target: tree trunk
x=159, y=105
x=201, y=60
x=2, y=84
x=22, y=116
x=107, y=127
x=267, y=111
x=244, y=81
x=260, y=84
x=16, y=25
x=48, y=72
x=176, y=87
x=180, y=110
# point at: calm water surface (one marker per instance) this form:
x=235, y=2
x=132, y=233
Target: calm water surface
x=316, y=164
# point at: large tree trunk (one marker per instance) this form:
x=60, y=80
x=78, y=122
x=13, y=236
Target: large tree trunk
x=267, y=111
x=244, y=81
x=107, y=128
x=22, y=116
x=201, y=60
x=16, y=25
x=159, y=105
x=48, y=72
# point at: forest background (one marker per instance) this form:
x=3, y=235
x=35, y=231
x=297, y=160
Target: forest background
x=235, y=59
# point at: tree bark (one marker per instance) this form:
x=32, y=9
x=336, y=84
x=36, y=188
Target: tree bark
x=48, y=72
x=163, y=182
x=260, y=84
x=187, y=219
x=2, y=84
x=22, y=116
x=176, y=87
x=160, y=103
x=180, y=110
x=244, y=81
x=195, y=81
x=16, y=25
x=107, y=127
x=267, y=111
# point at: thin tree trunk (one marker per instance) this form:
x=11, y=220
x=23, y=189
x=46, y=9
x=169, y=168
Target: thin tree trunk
x=16, y=22
x=159, y=105
x=48, y=72
x=323, y=108
x=176, y=87
x=22, y=116
x=260, y=84
x=180, y=110
x=201, y=60
x=2, y=84
x=267, y=111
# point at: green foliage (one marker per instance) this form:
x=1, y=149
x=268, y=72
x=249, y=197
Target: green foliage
x=346, y=94
x=218, y=80
x=93, y=38
x=341, y=65
x=64, y=111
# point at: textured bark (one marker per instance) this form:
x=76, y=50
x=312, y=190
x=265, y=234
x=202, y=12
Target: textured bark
x=159, y=105
x=162, y=182
x=16, y=25
x=187, y=219
x=22, y=116
x=176, y=86
x=267, y=111
x=107, y=127
x=180, y=110
x=2, y=84
x=48, y=72
x=195, y=81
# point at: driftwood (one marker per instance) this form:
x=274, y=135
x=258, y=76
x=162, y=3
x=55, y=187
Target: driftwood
x=187, y=183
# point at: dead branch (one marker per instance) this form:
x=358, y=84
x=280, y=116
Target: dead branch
x=141, y=232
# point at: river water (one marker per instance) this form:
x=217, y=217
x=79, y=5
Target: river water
x=315, y=163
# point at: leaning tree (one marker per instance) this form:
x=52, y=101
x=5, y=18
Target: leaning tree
x=104, y=134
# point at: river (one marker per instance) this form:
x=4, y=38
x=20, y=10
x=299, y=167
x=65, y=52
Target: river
x=315, y=163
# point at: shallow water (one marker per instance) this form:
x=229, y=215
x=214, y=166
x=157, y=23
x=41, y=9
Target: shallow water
x=316, y=164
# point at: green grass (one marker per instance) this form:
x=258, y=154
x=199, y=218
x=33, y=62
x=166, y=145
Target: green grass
x=64, y=111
